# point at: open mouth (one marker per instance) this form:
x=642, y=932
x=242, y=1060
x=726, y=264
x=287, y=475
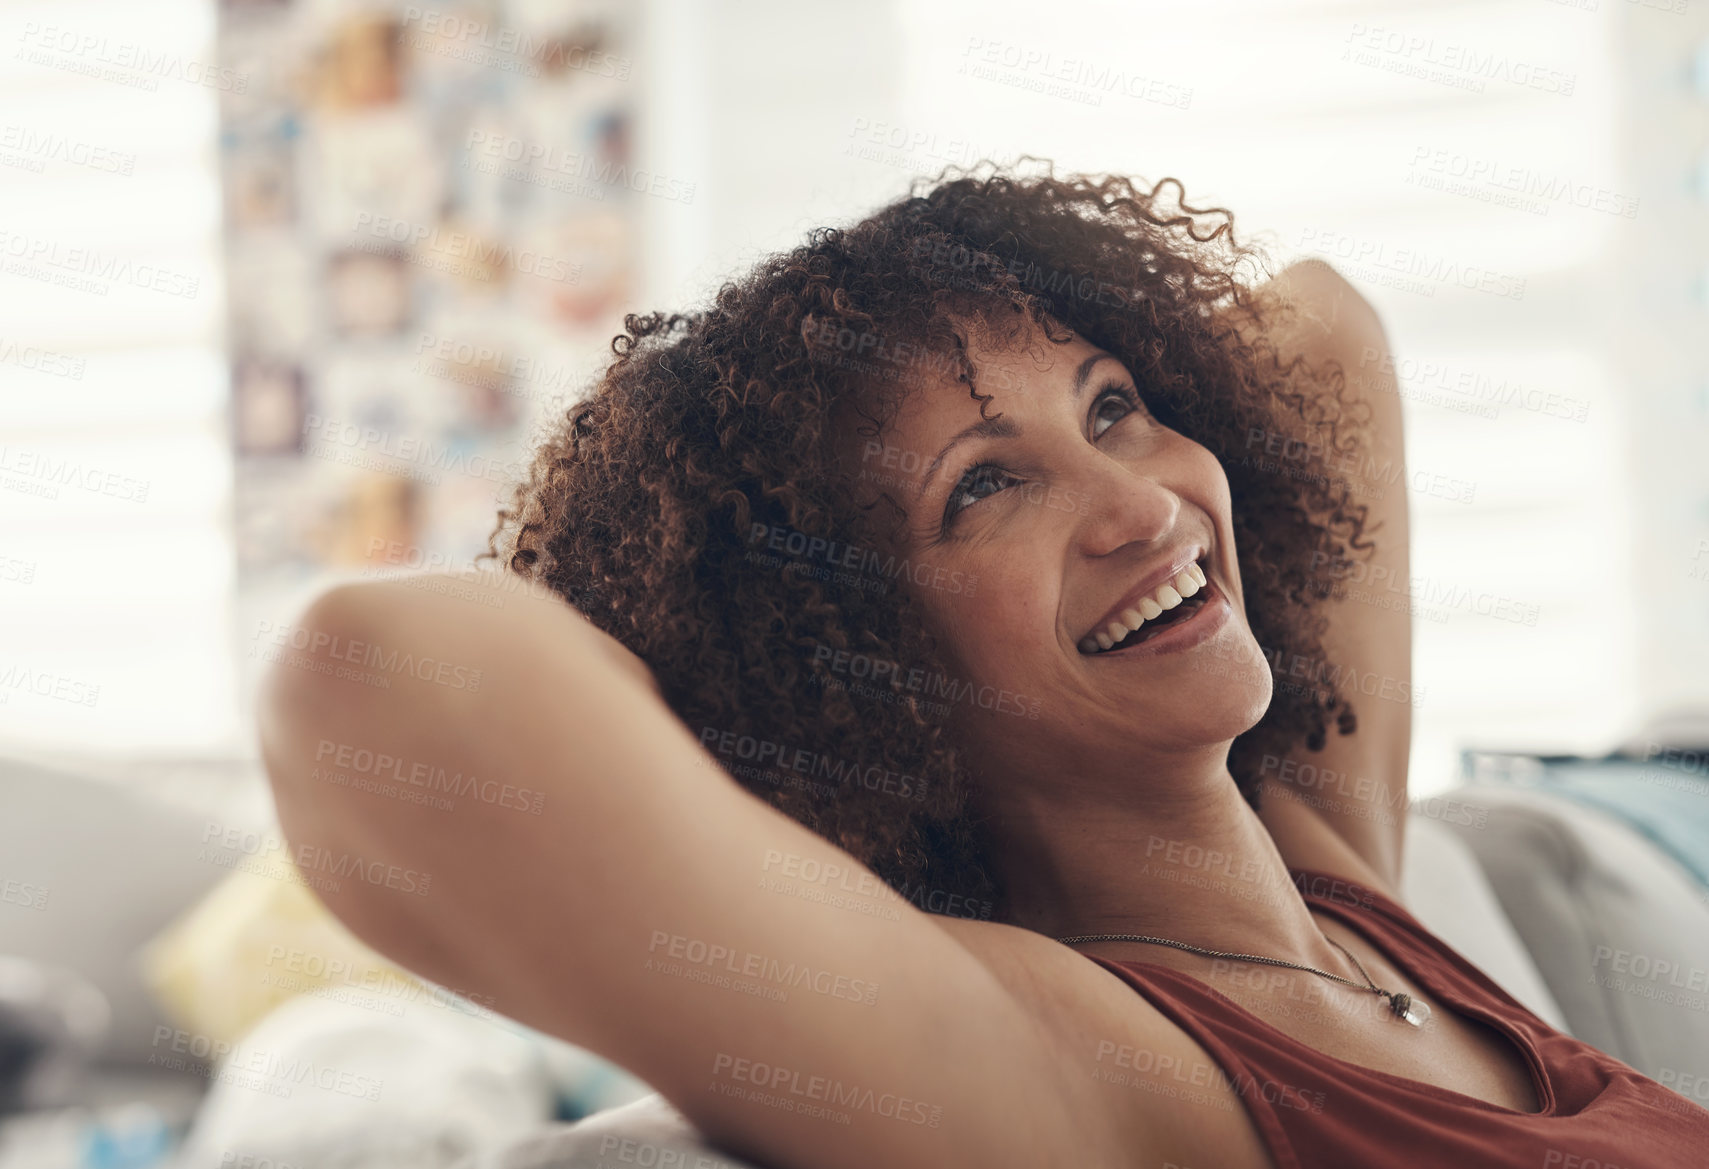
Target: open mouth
x=1168, y=606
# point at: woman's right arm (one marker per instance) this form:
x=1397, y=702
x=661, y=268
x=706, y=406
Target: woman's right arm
x=554, y=841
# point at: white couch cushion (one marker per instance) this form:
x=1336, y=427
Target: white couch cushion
x=648, y=1132
x=1445, y=888
x=106, y=868
x=1619, y=930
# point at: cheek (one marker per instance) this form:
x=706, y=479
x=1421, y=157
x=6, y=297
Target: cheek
x=992, y=614
x=1204, y=484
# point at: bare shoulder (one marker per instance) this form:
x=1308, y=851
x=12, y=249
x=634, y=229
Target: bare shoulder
x=1160, y=1087
x=1057, y=983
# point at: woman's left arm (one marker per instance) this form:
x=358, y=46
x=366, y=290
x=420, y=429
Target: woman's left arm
x=1342, y=810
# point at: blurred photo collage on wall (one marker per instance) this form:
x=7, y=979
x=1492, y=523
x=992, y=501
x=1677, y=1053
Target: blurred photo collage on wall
x=430, y=237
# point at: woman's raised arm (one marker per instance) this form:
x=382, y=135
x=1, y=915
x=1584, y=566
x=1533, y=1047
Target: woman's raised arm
x=1343, y=809
x=490, y=792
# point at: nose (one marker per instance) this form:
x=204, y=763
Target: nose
x=1123, y=506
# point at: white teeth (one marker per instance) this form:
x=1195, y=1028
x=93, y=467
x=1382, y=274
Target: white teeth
x=1186, y=583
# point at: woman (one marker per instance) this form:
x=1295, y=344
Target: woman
x=992, y=546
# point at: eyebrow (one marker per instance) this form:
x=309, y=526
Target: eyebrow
x=999, y=427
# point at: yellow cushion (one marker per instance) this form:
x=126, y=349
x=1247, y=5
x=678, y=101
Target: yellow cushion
x=256, y=939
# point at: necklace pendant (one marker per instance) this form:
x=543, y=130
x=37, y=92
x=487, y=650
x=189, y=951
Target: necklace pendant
x=1409, y=1009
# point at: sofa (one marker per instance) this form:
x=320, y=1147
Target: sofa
x=1579, y=915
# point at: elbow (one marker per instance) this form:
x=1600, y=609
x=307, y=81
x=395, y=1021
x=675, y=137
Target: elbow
x=299, y=707
x=1344, y=310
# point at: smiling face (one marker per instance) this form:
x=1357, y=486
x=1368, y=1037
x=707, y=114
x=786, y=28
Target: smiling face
x=1107, y=586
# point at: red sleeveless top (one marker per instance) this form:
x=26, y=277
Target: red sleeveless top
x=1596, y=1113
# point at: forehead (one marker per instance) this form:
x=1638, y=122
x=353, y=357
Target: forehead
x=1017, y=368
x=901, y=429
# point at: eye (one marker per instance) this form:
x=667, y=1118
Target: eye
x=983, y=480
x=1114, y=404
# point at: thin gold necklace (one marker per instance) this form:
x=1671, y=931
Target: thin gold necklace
x=1404, y=1006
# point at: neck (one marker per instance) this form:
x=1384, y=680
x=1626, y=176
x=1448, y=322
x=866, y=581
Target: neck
x=1182, y=856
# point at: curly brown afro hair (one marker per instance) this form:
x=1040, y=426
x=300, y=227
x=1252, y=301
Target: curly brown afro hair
x=645, y=506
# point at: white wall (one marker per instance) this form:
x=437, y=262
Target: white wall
x=1334, y=130
x=115, y=473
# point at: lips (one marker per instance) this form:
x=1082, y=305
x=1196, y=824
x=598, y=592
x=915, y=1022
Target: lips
x=1159, y=604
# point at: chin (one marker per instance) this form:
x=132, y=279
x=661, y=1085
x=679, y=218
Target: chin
x=1212, y=693
x=1215, y=710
